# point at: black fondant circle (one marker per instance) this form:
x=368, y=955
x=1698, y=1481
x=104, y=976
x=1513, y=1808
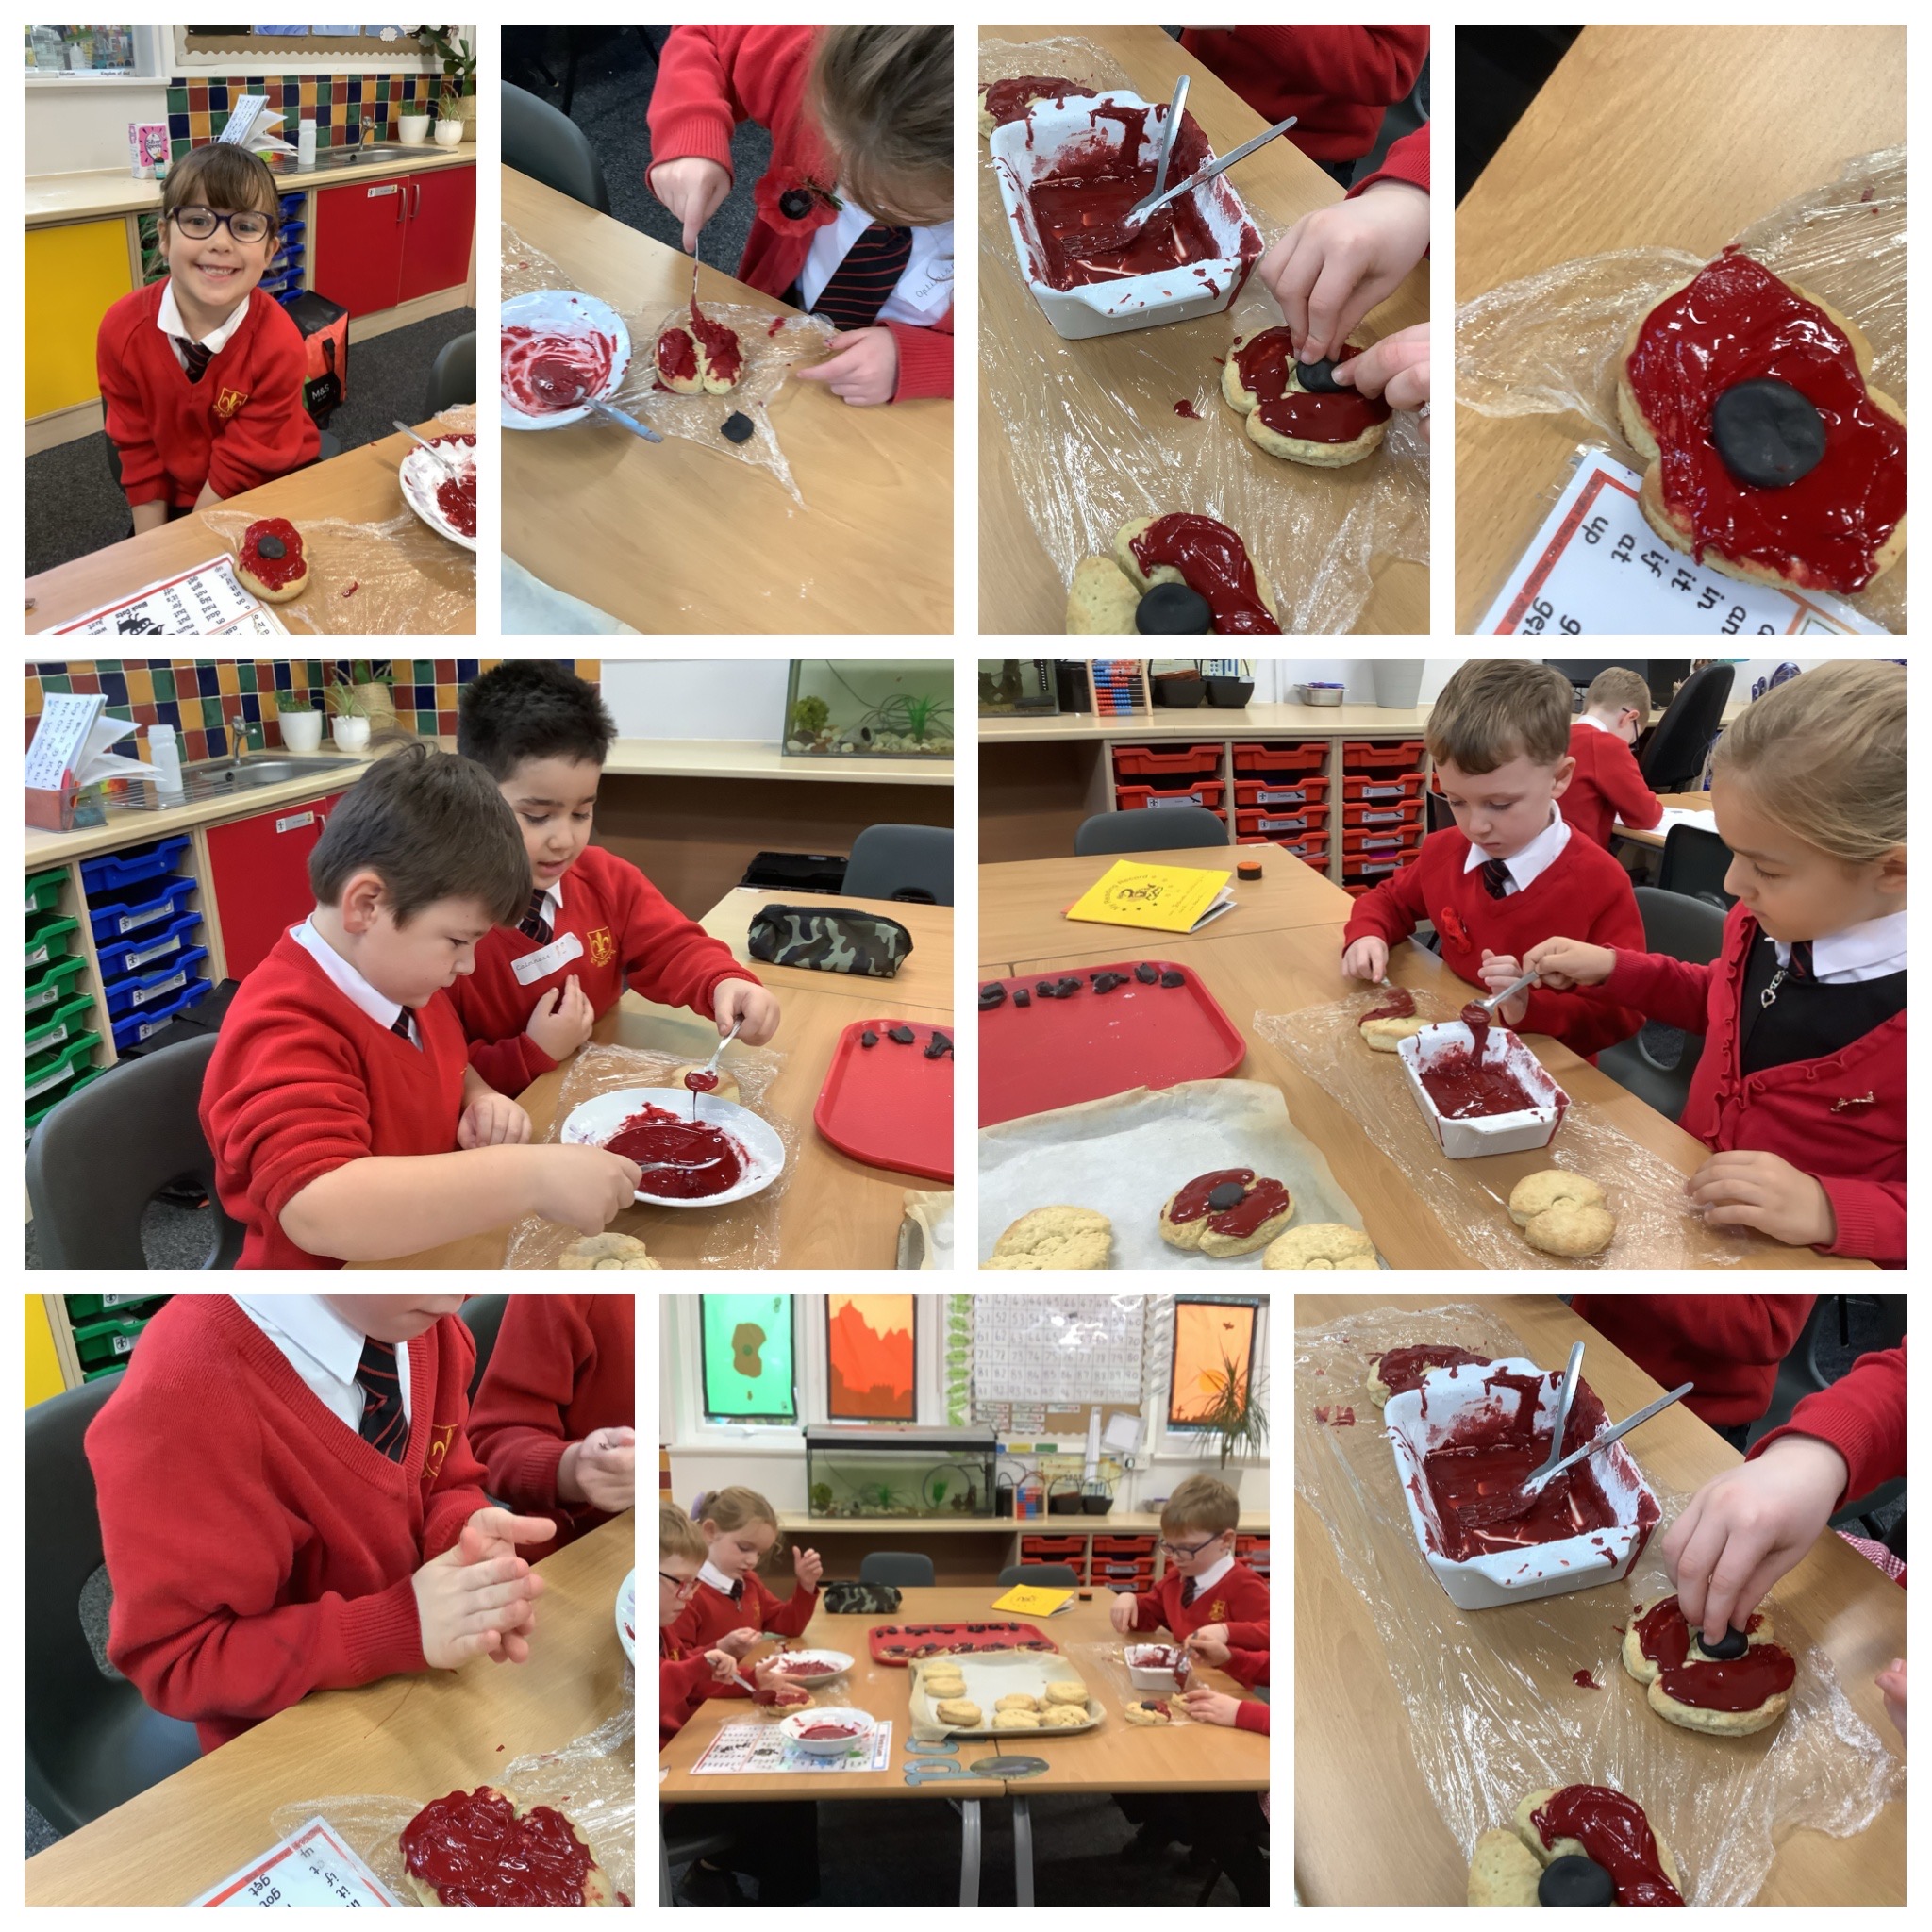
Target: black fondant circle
x=1574, y=1881
x=1173, y=610
x=737, y=428
x=1766, y=434
x=271, y=547
x=1229, y=1194
x=1733, y=1643
x=1318, y=377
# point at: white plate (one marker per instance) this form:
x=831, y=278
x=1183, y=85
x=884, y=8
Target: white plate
x=838, y=1657
x=566, y=311
x=601, y=1116
x=864, y=1722
x=421, y=474
x=628, y=1615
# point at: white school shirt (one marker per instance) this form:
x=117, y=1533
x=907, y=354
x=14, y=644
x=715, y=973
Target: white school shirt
x=1535, y=859
x=925, y=289
x=1870, y=950
x=355, y=989
x=323, y=1349
x=169, y=320
x=1209, y=1577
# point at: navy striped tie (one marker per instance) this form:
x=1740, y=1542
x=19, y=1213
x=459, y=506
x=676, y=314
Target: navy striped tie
x=862, y=282
x=533, y=925
x=199, y=355
x=1496, y=880
x=384, y=1425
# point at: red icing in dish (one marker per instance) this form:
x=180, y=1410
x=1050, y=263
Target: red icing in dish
x=824, y=1731
x=1186, y=409
x=275, y=572
x=807, y=1667
x=1735, y=321
x=1263, y=1200
x=1741, y=1684
x=1400, y=1006
x=1404, y=1368
x=705, y=1160
x=1263, y=366
x=473, y=1849
x=1617, y=1836
x=1213, y=563
x=546, y=371
x=1008, y=100
x=1464, y=1088
x=720, y=344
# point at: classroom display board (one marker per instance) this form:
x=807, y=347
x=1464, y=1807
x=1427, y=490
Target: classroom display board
x=747, y=1354
x=869, y=1357
x=1056, y=1349
x=1213, y=1344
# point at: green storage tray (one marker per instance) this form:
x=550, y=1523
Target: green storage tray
x=47, y=938
x=82, y=1307
x=49, y=1101
x=42, y=891
x=46, y=1072
x=57, y=1027
x=101, y=1344
x=52, y=984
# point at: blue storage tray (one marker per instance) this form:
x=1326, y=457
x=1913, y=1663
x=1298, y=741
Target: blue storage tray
x=142, y=1023
x=121, y=869
x=137, y=993
x=141, y=908
x=145, y=951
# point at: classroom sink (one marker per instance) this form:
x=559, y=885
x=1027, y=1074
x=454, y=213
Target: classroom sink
x=218, y=776
x=354, y=156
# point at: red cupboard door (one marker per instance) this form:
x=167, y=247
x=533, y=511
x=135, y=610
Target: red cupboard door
x=441, y=217
x=358, y=244
x=259, y=870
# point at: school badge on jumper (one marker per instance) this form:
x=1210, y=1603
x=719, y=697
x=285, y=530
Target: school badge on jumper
x=228, y=402
x=603, y=947
x=440, y=1436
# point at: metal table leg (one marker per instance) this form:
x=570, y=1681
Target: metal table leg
x=1023, y=1852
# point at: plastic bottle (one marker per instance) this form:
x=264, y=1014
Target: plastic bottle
x=164, y=755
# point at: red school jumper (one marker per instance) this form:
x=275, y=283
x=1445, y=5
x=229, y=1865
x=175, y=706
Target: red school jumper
x=260, y=1549
x=710, y=1614
x=1585, y=895
x=1862, y=1415
x=1240, y=1596
x=1840, y=1119
x=630, y=934
x=709, y=78
x=1729, y=1344
x=681, y=1682
x=303, y=1082
x=243, y=425
x=563, y=1365
x=1408, y=160
x=1606, y=785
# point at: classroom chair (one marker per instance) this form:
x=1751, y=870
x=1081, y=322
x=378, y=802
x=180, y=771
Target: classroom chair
x=1675, y=758
x=91, y=1741
x=97, y=1161
x=1163, y=828
x=551, y=148
x=904, y=1568
x=452, y=375
x=482, y=1315
x=1694, y=864
x=1686, y=929
x=1042, y=1576
x=676, y=1850
x=909, y=862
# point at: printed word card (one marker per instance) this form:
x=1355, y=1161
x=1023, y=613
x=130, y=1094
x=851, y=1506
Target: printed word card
x=312, y=1867
x=737, y=1750
x=205, y=602
x=1596, y=566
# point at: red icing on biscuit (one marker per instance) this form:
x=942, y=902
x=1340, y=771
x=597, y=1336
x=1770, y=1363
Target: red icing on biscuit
x=472, y=1849
x=1214, y=564
x=1263, y=366
x=277, y=573
x=720, y=344
x=1262, y=1200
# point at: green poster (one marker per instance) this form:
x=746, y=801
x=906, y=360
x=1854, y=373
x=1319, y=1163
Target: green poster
x=747, y=1356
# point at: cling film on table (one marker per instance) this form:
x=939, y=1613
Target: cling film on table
x=1494, y=1700
x=1095, y=438
x=1551, y=342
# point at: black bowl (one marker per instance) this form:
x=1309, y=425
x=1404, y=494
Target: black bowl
x=1229, y=693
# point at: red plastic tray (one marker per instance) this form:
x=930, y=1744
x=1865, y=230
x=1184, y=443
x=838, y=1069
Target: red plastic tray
x=1249, y=793
x=896, y=1643
x=1280, y=821
x=1158, y=760
x=1055, y=1053
x=1377, y=758
x=1153, y=797
x=1312, y=848
x=1276, y=759
x=887, y=1105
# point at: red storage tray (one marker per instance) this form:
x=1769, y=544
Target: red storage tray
x=1275, y=758
x=1399, y=786
x=1056, y=1051
x=1357, y=888
x=1250, y=793
x=1312, y=848
x=889, y=1105
x=1160, y=761
x=1368, y=817
x=1123, y=1546
x=1383, y=844
x=1283, y=823
x=1365, y=758
x=1194, y=791
x=1050, y=1546
x=1372, y=872
x=905, y=1644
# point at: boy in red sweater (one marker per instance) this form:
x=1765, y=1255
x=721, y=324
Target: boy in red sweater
x=1607, y=784
x=1510, y=872
x=591, y=922
x=1800, y=1091
x=335, y=1528
x=345, y=1121
x=553, y=1419
x=854, y=217
x=202, y=374
x=1202, y=1583
x=738, y=1526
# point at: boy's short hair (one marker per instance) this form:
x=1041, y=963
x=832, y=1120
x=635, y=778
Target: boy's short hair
x=883, y=97
x=678, y=1536
x=1618, y=689
x=220, y=176
x=532, y=708
x=1203, y=1504
x=431, y=826
x=1492, y=710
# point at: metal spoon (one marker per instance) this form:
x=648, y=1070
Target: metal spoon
x=711, y=1066
x=616, y=415
x=1147, y=204
x=1495, y=1000
x=1167, y=134
x=441, y=455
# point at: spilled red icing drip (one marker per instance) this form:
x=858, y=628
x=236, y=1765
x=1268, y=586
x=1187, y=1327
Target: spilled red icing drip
x=1337, y=1417
x=1184, y=407
x=275, y=571
x=546, y=371
x=1586, y=1681
x=1008, y=100
x=720, y=344
x=472, y=1849
x=1399, y=1004
x=1264, y=1199
x=1265, y=366
x=1213, y=563
x=777, y=323
x=1614, y=1831
x=1404, y=1368
x=705, y=1160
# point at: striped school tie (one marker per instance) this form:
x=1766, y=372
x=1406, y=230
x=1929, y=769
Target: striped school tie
x=384, y=1425
x=1495, y=878
x=400, y=1027
x=199, y=355
x=862, y=283
x=533, y=925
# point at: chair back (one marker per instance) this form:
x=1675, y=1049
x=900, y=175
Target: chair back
x=1157, y=828
x=551, y=148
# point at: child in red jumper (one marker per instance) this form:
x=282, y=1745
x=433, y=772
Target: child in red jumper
x=1202, y=1583
x=591, y=922
x=1606, y=785
x=1510, y=872
x=1800, y=1091
x=334, y=1529
x=739, y=1527
x=854, y=218
x=345, y=1121
x=553, y=1419
x=200, y=374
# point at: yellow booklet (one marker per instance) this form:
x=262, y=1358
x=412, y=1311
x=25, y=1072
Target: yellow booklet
x=1030, y=1600
x=1165, y=898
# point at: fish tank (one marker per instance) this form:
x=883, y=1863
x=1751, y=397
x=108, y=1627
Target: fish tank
x=869, y=707
x=878, y=1474
x=1018, y=686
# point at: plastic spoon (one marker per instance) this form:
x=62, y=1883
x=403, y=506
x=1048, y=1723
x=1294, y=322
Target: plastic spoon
x=630, y=422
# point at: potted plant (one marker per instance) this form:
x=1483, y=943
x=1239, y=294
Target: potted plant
x=412, y=124
x=1237, y=1417
x=374, y=684
x=456, y=106
x=348, y=716
x=301, y=722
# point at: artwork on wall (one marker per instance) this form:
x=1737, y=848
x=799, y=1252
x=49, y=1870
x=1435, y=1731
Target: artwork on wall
x=747, y=1356
x=1213, y=1341
x=869, y=1357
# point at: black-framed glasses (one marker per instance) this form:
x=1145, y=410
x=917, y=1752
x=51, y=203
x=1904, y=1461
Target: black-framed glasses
x=1189, y=1549
x=198, y=223
x=682, y=1585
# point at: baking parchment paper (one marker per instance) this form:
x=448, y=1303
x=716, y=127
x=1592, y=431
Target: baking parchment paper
x=1657, y=1226
x=1550, y=343
x=1123, y=1156
x=768, y=360
x=1492, y=1713
x=1095, y=441
x=926, y=1232
x=743, y=1234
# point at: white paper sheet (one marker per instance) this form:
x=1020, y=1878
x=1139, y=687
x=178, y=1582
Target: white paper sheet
x=205, y=602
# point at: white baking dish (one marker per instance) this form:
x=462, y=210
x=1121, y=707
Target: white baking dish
x=1495, y=1132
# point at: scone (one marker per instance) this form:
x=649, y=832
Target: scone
x=726, y=1088
x=1396, y=1368
x=1574, y=1848
x=482, y=1848
x=1016, y=1700
x=1181, y=575
x=1055, y=1237
x=1015, y=1721
x=272, y=564
x=1147, y=1710
x=1231, y=1211
x=1067, y=1693
x=1324, y=1244
x=607, y=1250
x=1681, y=1666
x=1062, y=1716
x=1296, y=410
x=959, y=1713
x=1387, y=1035
x=1503, y=1870
x=699, y=356
x=1562, y=1213
x=939, y=1683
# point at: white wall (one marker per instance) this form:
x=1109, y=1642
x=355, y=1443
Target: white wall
x=1274, y=677
x=732, y=698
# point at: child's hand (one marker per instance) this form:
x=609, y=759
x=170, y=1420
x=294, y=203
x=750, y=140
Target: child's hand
x=744, y=999
x=738, y=1642
x=1121, y=1611
x=1333, y=266
x=1366, y=960
x=468, y=1609
x=600, y=1471
x=693, y=189
x=767, y=1675
x=1565, y=964
x=1498, y=971
x=1743, y=1530
x=1207, y=1707
x=584, y=1188
x=724, y=1663
x=492, y=1119
x=561, y=1019
x=806, y=1567
x=1396, y=369
x=1891, y=1680
x=1211, y=1650
x=1746, y=1189
x=862, y=367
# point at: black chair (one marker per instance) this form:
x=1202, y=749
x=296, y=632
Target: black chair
x=909, y=862
x=1162, y=828
x=1045, y=1575
x=1674, y=759
x=1441, y=818
x=907, y=1569
x=551, y=148
x=102, y=1155
x=1694, y=864
x=482, y=1315
x=452, y=375
x=1685, y=928
x=91, y=1741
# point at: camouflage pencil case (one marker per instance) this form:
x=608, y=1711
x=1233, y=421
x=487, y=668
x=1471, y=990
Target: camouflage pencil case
x=829, y=938
x=848, y=1599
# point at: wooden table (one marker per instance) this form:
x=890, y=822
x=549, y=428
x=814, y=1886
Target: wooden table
x=1367, y=1830
x=414, y=1736
x=925, y=979
x=1285, y=969
x=670, y=537
x=360, y=485
x=1646, y=136
x=1675, y=801
x=1019, y=586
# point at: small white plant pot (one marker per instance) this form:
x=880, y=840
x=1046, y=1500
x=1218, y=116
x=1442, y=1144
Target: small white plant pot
x=350, y=734
x=414, y=129
x=449, y=134
x=302, y=730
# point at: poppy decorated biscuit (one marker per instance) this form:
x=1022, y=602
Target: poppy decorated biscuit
x=1297, y=410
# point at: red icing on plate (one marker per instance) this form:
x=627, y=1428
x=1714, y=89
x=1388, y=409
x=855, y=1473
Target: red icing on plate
x=1263, y=1199
x=455, y=497
x=473, y=1849
x=807, y=1667
x=548, y=370
x=1614, y=1832
x=277, y=573
x=1213, y=563
x=1008, y=100
x=706, y=1160
x=1265, y=366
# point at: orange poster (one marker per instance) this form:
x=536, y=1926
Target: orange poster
x=869, y=1357
x=1209, y=1337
